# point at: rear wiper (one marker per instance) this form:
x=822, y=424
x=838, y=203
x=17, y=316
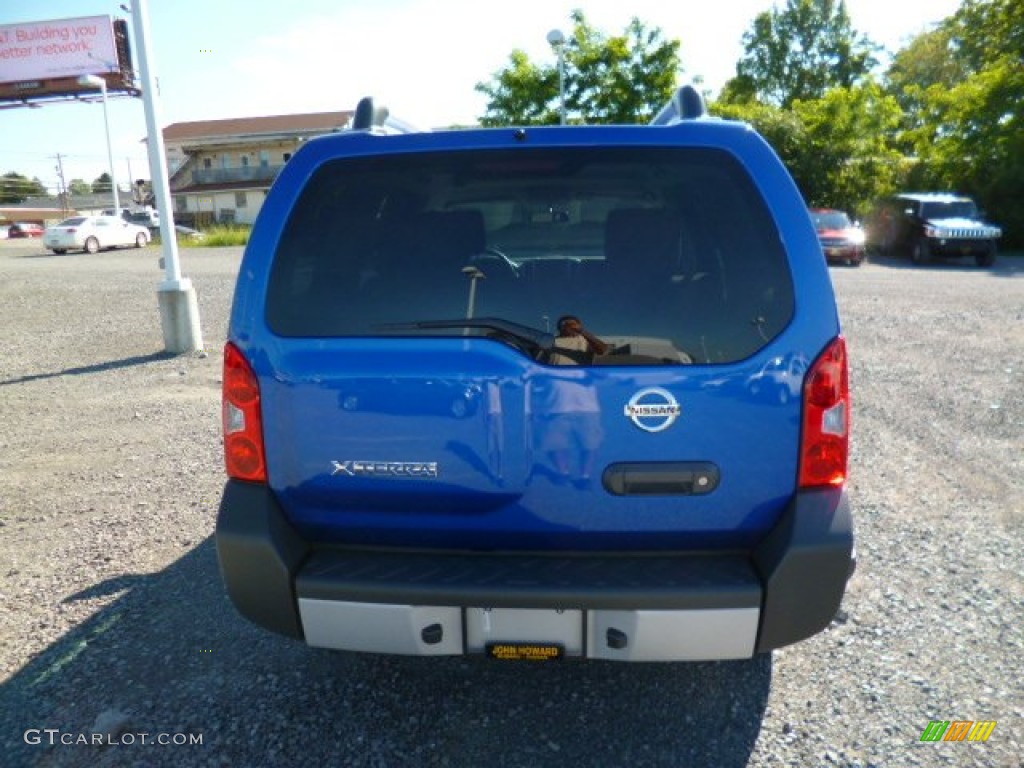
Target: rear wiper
x=523, y=333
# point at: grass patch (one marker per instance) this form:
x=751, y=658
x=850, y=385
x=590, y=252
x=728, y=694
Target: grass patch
x=235, y=234
x=214, y=237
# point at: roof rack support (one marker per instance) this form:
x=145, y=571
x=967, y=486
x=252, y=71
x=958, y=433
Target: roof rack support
x=369, y=115
x=375, y=118
x=686, y=104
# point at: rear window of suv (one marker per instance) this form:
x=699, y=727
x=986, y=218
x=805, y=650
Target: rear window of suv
x=668, y=253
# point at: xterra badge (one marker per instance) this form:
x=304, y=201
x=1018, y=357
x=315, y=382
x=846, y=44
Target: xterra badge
x=384, y=468
x=653, y=409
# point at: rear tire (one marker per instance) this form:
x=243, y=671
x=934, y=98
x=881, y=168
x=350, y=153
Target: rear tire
x=92, y=245
x=141, y=240
x=59, y=251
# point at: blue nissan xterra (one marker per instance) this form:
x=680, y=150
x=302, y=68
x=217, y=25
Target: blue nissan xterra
x=533, y=393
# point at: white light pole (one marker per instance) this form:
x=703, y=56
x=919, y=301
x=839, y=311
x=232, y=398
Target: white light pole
x=557, y=41
x=99, y=82
x=179, y=309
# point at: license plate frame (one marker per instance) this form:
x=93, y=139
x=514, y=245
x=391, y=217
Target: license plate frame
x=532, y=652
x=527, y=634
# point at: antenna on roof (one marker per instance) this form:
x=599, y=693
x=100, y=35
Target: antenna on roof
x=686, y=104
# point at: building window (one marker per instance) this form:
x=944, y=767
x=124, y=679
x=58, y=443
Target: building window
x=264, y=158
x=245, y=160
x=287, y=156
x=207, y=162
x=227, y=215
x=239, y=199
x=181, y=203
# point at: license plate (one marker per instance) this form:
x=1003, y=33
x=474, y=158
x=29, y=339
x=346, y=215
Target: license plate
x=528, y=634
x=525, y=651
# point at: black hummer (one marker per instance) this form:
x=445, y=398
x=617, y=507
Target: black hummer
x=930, y=224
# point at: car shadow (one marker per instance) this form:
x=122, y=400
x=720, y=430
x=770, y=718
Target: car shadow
x=45, y=254
x=167, y=654
x=1008, y=265
x=110, y=365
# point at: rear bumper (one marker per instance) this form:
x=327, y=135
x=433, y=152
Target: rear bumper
x=634, y=607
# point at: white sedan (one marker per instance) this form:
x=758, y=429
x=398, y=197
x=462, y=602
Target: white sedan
x=91, y=233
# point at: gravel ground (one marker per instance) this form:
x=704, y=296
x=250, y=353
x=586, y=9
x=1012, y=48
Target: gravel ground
x=113, y=619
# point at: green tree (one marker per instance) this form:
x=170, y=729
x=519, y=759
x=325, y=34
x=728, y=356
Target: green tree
x=838, y=148
x=927, y=60
x=102, y=184
x=79, y=187
x=521, y=94
x=800, y=52
x=16, y=188
x=969, y=135
x=848, y=159
x=987, y=31
x=781, y=128
x=620, y=79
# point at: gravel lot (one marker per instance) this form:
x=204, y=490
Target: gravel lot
x=113, y=618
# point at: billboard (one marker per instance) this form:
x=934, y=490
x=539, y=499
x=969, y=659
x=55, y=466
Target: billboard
x=43, y=59
x=43, y=50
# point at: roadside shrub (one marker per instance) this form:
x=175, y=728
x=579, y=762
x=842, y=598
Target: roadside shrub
x=234, y=234
x=221, y=235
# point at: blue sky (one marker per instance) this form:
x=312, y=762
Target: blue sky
x=229, y=58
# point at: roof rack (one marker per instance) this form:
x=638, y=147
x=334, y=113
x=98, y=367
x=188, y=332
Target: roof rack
x=686, y=104
x=376, y=118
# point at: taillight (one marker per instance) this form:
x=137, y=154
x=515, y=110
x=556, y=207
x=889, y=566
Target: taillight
x=825, y=441
x=244, y=457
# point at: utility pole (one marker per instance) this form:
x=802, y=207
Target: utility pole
x=131, y=182
x=62, y=194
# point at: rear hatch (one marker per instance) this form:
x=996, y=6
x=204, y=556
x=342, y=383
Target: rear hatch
x=419, y=388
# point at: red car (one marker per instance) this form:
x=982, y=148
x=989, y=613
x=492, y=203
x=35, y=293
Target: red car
x=25, y=229
x=842, y=241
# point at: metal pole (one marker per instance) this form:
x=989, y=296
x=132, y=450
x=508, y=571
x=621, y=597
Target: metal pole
x=110, y=151
x=179, y=312
x=561, y=82
x=556, y=39
x=155, y=144
x=98, y=82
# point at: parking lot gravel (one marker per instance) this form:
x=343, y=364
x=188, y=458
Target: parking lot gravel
x=118, y=646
